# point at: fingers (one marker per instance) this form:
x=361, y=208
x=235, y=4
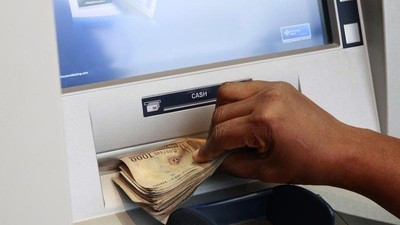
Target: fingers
x=233, y=125
x=230, y=131
x=237, y=99
x=232, y=110
x=236, y=91
x=233, y=134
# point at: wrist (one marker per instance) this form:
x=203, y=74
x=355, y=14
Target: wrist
x=367, y=164
x=350, y=162
x=349, y=156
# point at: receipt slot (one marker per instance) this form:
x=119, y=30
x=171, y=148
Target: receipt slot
x=280, y=205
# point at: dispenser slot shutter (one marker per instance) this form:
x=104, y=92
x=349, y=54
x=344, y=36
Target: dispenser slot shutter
x=178, y=101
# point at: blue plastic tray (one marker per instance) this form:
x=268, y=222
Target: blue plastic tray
x=280, y=205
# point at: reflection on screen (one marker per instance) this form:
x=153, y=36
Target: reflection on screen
x=102, y=40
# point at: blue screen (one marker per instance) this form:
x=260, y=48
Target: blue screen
x=103, y=40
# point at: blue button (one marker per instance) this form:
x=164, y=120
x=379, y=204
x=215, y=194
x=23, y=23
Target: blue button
x=294, y=33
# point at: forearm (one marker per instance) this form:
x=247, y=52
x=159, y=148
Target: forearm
x=370, y=165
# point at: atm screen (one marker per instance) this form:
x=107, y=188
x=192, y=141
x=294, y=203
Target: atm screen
x=107, y=40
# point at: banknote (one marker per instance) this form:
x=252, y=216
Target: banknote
x=162, y=179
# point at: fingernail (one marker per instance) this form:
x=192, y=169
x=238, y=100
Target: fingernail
x=195, y=154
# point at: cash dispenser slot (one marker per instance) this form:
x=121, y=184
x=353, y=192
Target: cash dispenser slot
x=115, y=198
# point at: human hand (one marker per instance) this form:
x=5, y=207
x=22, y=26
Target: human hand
x=289, y=138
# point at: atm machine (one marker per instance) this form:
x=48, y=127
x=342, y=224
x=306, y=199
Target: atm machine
x=136, y=74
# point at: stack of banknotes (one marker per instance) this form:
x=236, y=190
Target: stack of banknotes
x=162, y=179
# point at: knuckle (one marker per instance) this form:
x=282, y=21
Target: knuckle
x=218, y=133
x=277, y=98
x=283, y=85
x=261, y=132
x=273, y=95
x=218, y=115
x=214, y=140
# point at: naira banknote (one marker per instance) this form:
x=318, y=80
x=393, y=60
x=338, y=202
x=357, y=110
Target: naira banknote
x=162, y=179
